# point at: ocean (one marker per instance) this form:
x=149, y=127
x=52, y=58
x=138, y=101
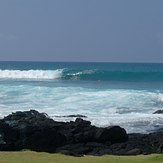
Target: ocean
x=124, y=94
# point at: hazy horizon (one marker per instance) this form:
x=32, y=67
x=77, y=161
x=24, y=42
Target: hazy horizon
x=81, y=61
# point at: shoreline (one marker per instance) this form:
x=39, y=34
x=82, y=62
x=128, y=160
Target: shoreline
x=72, y=117
x=36, y=131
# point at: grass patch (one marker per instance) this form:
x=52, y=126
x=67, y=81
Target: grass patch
x=41, y=157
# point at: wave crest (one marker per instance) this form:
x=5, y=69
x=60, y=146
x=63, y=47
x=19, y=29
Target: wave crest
x=31, y=74
x=81, y=74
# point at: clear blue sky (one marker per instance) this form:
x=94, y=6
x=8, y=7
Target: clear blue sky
x=82, y=30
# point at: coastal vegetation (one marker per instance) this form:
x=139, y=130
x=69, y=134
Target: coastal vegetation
x=42, y=157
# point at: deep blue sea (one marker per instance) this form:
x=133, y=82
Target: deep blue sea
x=124, y=94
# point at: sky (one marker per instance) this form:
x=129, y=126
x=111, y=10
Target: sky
x=81, y=30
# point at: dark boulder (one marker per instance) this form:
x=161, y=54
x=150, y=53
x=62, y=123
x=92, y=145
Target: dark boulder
x=78, y=131
x=113, y=134
x=82, y=123
x=21, y=120
x=36, y=131
x=21, y=128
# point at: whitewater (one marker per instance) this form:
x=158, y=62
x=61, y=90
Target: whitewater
x=30, y=74
x=106, y=93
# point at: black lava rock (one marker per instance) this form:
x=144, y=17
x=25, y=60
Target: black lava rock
x=36, y=131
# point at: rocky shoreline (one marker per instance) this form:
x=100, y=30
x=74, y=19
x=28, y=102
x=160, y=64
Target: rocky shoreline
x=31, y=130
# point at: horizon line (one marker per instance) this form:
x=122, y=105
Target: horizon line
x=82, y=61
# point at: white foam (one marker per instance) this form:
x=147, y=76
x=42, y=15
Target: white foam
x=131, y=109
x=31, y=74
x=82, y=72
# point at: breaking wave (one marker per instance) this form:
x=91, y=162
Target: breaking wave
x=31, y=74
x=82, y=74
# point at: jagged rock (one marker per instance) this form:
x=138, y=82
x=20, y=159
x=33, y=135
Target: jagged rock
x=36, y=131
x=78, y=132
x=158, y=112
x=72, y=116
x=20, y=128
x=82, y=123
x=21, y=120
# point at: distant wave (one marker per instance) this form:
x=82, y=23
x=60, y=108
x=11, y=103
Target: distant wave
x=81, y=74
x=106, y=75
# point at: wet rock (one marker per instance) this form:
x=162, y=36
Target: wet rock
x=82, y=123
x=20, y=130
x=78, y=132
x=36, y=131
x=72, y=116
x=158, y=112
x=21, y=120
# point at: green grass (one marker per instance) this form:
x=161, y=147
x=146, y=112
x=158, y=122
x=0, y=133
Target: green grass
x=40, y=157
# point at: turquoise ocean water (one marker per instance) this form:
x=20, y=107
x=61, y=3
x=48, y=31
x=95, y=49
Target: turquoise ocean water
x=124, y=94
